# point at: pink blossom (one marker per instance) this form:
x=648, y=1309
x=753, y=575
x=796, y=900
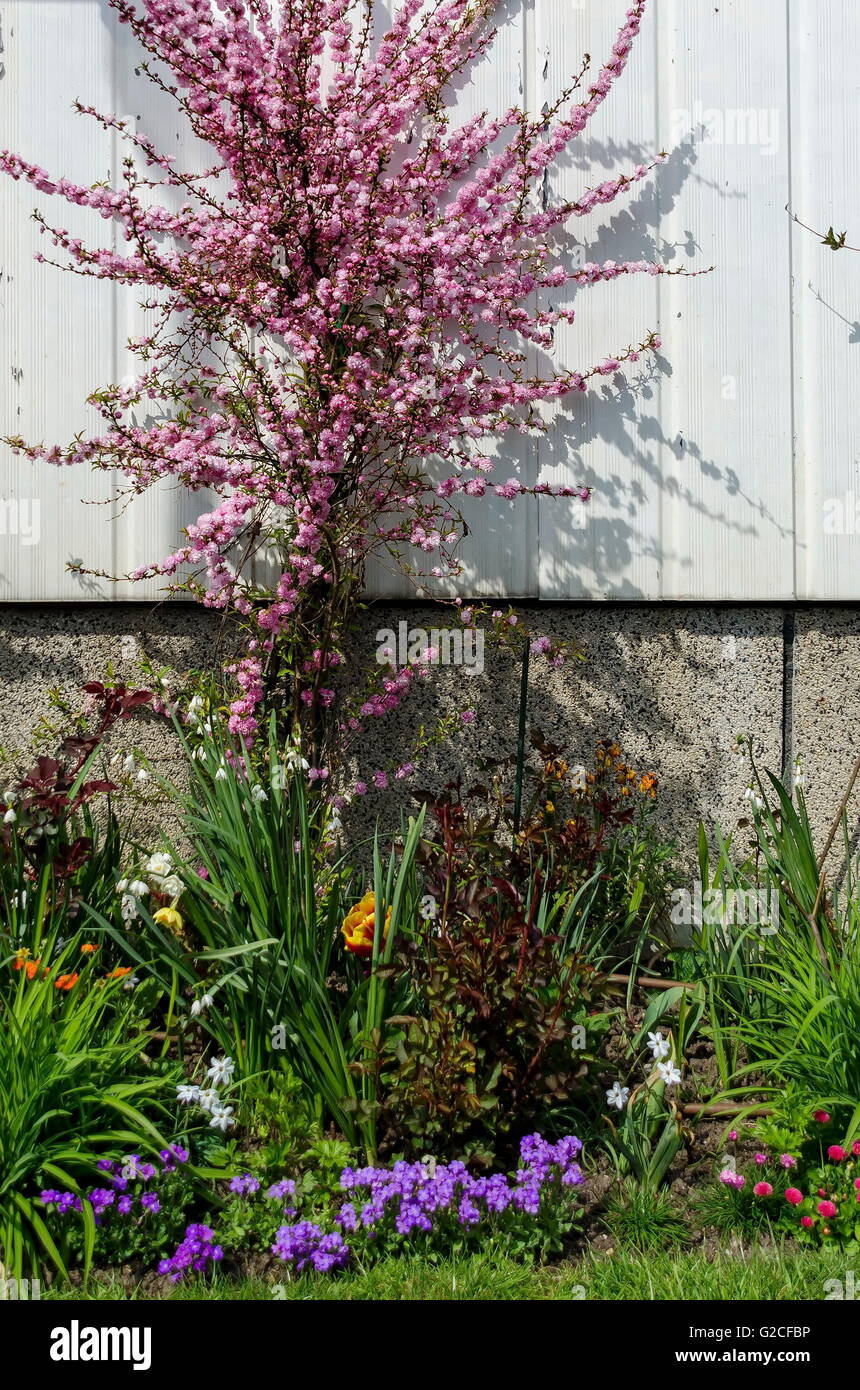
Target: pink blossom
x=314, y=441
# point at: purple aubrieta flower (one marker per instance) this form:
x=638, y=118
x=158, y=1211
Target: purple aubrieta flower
x=124, y=1205
x=573, y=1176
x=149, y=1201
x=195, y=1251
x=279, y=1190
x=100, y=1198
x=305, y=1244
x=347, y=1218
x=467, y=1213
x=246, y=1185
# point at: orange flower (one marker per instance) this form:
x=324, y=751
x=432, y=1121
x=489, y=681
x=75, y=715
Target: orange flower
x=66, y=981
x=649, y=785
x=359, y=926
x=88, y=948
x=30, y=967
x=120, y=972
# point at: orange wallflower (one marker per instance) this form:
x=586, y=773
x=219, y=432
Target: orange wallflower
x=22, y=962
x=120, y=972
x=88, y=948
x=66, y=981
x=359, y=926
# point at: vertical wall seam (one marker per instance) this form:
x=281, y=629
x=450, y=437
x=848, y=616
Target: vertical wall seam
x=792, y=304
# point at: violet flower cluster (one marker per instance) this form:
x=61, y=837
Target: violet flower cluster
x=420, y=1199
x=116, y=1196
x=306, y=1244
x=195, y=1251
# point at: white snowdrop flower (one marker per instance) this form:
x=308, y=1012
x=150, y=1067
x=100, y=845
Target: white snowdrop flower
x=142, y=774
x=222, y=1118
x=122, y=885
x=259, y=793
x=200, y=1005
x=10, y=797
x=10, y=817
x=221, y=775
x=159, y=864
x=186, y=1095
x=195, y=704
x=138, y=888
x=799, y=776
x=196, y=1008
x=660, y=1046
x=754, y=799
x=617, y=1095
x=128, y=764
x=221, y=1070
x=669, y=1073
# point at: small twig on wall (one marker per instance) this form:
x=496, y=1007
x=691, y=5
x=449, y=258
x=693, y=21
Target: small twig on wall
x=835, y=240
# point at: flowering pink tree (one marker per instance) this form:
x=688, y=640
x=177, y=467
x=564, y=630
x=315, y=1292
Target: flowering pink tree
x=350, y=290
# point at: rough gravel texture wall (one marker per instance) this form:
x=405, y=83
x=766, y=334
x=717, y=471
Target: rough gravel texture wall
x=674, y=684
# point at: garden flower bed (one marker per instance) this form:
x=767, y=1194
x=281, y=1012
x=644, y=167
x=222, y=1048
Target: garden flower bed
x=495, y=1037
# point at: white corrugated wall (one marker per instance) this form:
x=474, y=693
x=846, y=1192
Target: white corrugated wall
x=729, y=473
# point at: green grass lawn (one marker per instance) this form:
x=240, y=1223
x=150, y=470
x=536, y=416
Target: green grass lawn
x=765, y=1275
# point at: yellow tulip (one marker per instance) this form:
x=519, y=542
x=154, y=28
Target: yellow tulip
x=359, y=926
